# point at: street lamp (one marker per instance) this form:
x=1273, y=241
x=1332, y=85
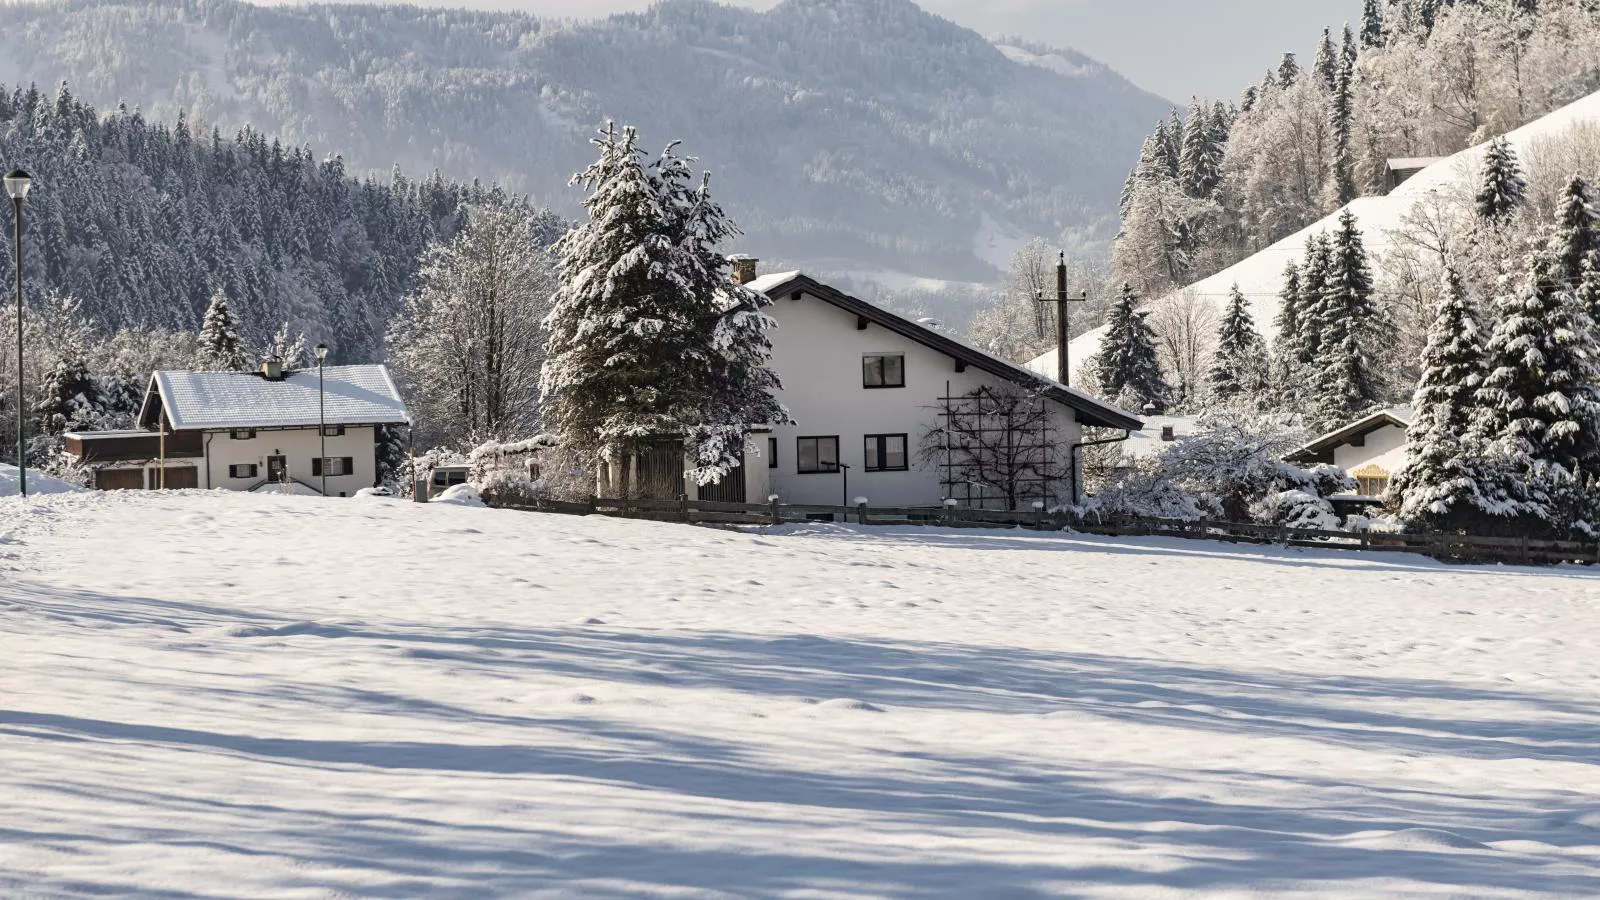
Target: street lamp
x=322, y=415
x=17, y=184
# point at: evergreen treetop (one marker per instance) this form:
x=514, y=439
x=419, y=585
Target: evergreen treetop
x=221, y=349
x=1239, y=367
x=1576, y=243
x=1128, y=366
x=1502, y=188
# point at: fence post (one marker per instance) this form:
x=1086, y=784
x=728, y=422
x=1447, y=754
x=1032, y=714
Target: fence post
x=594, y=505
x=777, y=514
x=1524, y=549
x=683, y=507
x=861, y=511
x=949, y=513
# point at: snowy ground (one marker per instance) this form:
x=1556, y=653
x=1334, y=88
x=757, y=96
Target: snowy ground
x=262, y=696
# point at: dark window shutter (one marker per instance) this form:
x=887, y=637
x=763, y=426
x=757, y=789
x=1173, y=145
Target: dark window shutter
x=349, y=465
x=316, y=466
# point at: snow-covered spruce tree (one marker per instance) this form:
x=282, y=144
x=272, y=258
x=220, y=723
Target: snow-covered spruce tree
x=1371, y=25
x=1200, y=166
x=1342, y=182
x=469, y=341
x=1538, y=409
x=1286, y=343
x=1314, y=276
x=740, y=390
x=639, y=348
x=1239, y=366
x=221, y=349
x=1326, y=64
x=1438, y=488
x=1576, y=244
x=69, y=397
x=1502, y=188
x=1128, y=366
x=1347, y=320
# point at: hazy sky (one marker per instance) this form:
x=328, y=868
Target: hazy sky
x=1175, y=48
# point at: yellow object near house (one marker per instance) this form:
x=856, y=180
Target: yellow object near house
x=1373, y=480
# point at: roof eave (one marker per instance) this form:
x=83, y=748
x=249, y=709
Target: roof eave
x=1089, y=412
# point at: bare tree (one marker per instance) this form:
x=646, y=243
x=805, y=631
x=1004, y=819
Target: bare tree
x=1185, y=324
x=468, y=343
x=993, y=445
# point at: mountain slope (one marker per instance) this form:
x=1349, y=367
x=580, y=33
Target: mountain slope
x=848, y=134
x=1260, y=276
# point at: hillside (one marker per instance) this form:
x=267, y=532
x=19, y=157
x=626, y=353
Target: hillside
x=469, y=703
x=849, y=135
x=1260, y=276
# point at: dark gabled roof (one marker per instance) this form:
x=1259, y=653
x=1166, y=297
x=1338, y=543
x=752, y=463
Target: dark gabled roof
x=1090, y=411
x=1399, y=417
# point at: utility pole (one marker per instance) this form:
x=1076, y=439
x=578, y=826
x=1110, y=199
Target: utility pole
x=1063, y=319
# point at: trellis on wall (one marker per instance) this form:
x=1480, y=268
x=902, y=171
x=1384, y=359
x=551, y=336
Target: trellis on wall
x=994, y=448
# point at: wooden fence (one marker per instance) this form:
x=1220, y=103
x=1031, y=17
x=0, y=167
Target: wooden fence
x=1455, y=547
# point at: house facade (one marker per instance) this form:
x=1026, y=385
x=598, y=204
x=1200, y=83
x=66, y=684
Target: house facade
x=1372, y=450
x=272, y=430
x=890, y=409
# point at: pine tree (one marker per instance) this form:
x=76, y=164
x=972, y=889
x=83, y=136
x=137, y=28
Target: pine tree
x=1502, y=188
x=643, y=347
x=1200, y=168
x=1174, y=133
x=1248, y=99
x=1538, y=401
x=1314, y=275
x=739, y=392
x=1239, y=367
x=1128, y=367
x=1347, y=321
x=1439, y=487
x=1326, y=64
x=1343, y=185
x=1288, y=71
x=1576, y=244
x=1286, y=344
x=1371, y=25
x=221, y=348
x=1348, y=48
x=70, y=397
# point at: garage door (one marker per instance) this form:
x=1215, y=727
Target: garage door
x=119, y=479
x=180, y=479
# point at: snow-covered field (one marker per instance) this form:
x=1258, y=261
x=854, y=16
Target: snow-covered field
x=265, y=696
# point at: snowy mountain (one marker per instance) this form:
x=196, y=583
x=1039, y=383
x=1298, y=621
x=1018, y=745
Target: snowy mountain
x=850, y=135
x=1260, y=277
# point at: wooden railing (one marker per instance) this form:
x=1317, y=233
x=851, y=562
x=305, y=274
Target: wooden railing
x=1458, y=547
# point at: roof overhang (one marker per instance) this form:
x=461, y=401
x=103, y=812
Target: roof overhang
x=1357, y=429
x=1088, y=410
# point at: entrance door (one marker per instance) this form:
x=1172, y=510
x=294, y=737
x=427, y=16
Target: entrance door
x=277, y=469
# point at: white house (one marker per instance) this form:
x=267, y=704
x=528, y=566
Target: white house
x=248, y=431
x=1371, y=449
x=867, y=387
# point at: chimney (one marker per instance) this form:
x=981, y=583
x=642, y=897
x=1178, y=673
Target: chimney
x=1168, y=434
x=744, y=268
x=272, y=368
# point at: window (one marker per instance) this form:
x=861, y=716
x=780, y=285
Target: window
x=1371, y=486
x=242, y=434
x=332, y=466
x=243, y=470
x=887, y=453
x=772, y=453
x=883, y=371
x=818, y=455
x=333, y=431
x=449, y=477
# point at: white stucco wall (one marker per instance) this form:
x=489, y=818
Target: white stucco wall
x=817, y=352
x=1385, y=448
x=301, y=446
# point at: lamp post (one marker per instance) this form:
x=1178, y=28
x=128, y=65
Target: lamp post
x=322, y=415
x=17, y=184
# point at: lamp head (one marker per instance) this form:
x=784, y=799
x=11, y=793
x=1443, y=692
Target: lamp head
x=18, y=183
x=322, y=353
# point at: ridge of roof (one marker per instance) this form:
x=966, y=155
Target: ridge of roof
x=1097, y=412
x=335, y=395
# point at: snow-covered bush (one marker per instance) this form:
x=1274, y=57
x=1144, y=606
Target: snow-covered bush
x=1298, y=509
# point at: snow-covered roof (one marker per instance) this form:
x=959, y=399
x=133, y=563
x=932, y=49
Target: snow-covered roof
x=354, y=395
x=1147, y=440
x=1399, y=163
x=1260, y=277
x=1091, y=411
